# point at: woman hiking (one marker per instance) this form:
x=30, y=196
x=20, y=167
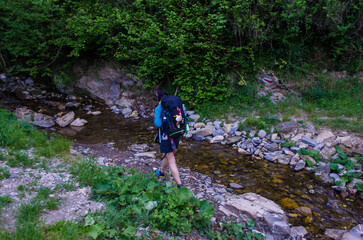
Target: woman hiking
x=168, y=145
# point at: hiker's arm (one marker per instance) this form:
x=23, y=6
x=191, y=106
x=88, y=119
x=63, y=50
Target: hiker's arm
x=157, y=119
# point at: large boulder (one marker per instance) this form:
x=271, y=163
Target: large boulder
x=268, y=216
x=42, y=120
x=351, y=144
x=105, y=83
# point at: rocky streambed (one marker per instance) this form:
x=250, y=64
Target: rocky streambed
x=218, y=161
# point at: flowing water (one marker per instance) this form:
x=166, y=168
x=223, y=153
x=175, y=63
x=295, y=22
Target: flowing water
x=280, y=183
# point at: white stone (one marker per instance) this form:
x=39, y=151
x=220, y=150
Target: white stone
x=66, y=119
x=79, y=122
x=274, y=136
x=217, y=139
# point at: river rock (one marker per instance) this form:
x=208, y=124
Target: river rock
x=217, y=124
x=227, y=128
x=274, y=136
x=295, y=159
x=335, y=177
x=42, y=120
x=124, y=102
x=233, y=130
x=351, y=144
x=355, y=233
x=248, y=144
x=235, y=185
x=233, y=140
x=327, y=152
x=272, y=147
x=218, y=132
x=199, y=125
x=298, y=232
x=151, y=154
x=324, y=135
x=308, y=141
x=96, y=113
x=335, y=234
x=261, y=133
x=217, y=139
x=79, y=122
x=300, y=165
x=252, y=133
x=268, y=216
x=65, y=120
x=242, y=151
x=297, y=137
x=139, y=147
x=308, y=158
x=198, y=138
x=286, y=127
x=283, y=159
x=208, y=130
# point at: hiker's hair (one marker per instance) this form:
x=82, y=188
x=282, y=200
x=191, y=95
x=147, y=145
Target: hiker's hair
x=161, y=93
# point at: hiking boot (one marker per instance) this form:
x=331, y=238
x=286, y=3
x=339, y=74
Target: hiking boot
x=159, y=173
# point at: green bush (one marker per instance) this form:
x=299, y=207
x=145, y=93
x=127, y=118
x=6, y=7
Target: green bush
x=136, y=199
x=207, y=49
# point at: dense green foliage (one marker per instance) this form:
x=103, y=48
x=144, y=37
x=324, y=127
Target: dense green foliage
x=206, y=48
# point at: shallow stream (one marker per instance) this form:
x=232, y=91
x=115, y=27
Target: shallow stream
x=280, y=183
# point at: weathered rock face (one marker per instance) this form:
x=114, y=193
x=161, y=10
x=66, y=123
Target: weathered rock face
x=106, y=85
x=269, y=216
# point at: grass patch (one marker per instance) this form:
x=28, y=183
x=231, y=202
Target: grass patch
x=17, y=134
x=4, y=201
x=320, y=96
x=52, y=204
x=4, y=173
x=43, y=193
x=19, y=158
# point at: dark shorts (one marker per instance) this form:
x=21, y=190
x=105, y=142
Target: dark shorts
x=166, y=147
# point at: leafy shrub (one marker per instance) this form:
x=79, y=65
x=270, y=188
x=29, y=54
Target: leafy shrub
x=139, y=198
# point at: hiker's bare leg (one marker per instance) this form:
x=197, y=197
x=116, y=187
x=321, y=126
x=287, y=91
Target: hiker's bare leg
x=173, y=168
x=164, y=164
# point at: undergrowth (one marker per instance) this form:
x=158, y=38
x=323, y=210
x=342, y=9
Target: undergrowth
x=322, y=98
x=17, y=134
